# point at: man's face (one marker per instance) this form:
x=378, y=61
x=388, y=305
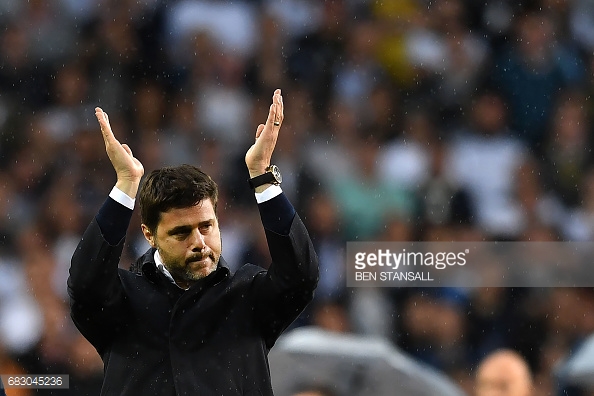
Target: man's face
x=502, y=377
x=189, y=242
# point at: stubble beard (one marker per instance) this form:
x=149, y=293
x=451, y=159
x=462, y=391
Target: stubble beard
x=185, y=274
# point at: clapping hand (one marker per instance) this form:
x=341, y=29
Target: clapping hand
x=128, y=168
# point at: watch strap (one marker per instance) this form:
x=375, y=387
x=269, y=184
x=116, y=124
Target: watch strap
x=264, y=178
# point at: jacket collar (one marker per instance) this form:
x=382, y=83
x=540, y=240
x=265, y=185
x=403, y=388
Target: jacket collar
x=145, y=265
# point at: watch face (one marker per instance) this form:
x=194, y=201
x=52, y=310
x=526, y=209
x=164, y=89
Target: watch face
x=276, y=173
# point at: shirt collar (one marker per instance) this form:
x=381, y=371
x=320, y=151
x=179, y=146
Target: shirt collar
x=165, y=271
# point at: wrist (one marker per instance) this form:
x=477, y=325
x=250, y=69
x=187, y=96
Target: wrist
x=261, y=188
x=256, y=172
x=260, y=181
x=128, y=187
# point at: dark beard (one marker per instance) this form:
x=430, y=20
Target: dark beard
x=186, y=276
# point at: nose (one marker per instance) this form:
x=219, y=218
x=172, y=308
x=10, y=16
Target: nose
x=197, y=241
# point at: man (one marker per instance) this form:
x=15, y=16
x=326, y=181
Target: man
x=178, y=323
x=313, y=390
x=504, y=373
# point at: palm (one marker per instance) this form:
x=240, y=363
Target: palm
x=127, y=166
x=259, y=154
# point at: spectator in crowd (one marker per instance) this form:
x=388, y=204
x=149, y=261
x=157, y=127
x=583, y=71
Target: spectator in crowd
x=504, y=373
x=530, y=74
x=484, y=159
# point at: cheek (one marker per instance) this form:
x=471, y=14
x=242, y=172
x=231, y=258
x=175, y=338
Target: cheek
x=173, y=248
x=215, y=242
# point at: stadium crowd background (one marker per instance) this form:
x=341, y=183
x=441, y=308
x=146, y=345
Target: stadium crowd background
x=405, y=120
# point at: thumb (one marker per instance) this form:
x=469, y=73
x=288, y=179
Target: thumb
x=259, y=130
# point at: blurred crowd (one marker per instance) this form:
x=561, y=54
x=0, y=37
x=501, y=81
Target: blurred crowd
x=405, y=120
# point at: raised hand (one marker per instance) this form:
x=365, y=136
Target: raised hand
x=259, y=154
x=128, y=169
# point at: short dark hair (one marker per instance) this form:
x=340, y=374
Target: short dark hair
x=174, y=187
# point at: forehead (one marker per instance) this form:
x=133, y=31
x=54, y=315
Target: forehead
x=192, y=215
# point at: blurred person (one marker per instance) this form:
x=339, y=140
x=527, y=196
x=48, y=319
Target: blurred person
x=504, y=373
x=313, y=57
x=112, y=49
x=538, y=207
x=554, y=350
x=567, y=167
x=149, y=105
x=450, y=56
x=232, y=25
x=567, y=154
x=69, y=96
x=431, y=326
x=371, y=312
x=501, y=317
x=50, y=353
x=407, y=158
x=181, y=142
x=298, y=18
x=331, y=148
x=466, y=56
x=353, y=193
x=484, y=159
x=34, y=166
x=321, y=218
x=263, y=75
x=331, y=315
x=395, y=19
x=50, y=32
x=531, y=72
x=178, y=321
x=59, y=218
x=578, y=224
x=382, y=112
x=446, y=207
x=359, y=73
x=21, y=320
x=314, y=390
x=22, y=78
x=223, y=102
x=148, y=123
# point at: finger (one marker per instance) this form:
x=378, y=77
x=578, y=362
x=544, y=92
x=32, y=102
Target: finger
x=272, y=115
x=103, y=121
x=128, y=149
x=259, y=130
x=99, y=114
x=277, y=100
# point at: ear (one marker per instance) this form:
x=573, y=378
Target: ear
x=148, y=235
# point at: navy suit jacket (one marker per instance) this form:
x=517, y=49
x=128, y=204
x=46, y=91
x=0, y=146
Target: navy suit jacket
x=212, y=339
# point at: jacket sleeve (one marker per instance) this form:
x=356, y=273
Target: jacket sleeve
x=284, y=291
x=96, y=295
